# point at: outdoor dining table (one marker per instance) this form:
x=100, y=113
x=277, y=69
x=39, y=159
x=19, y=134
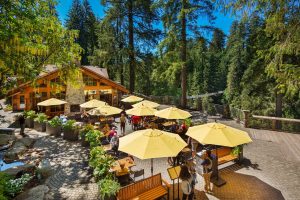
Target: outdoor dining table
x=128, y=164
x=169, y=123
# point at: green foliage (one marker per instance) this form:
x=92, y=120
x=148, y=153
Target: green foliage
x=41, y=118
x=69, y=125
x=207, y=105
x=8, y=107
x=86, y=129
x=55, y=122
x=100, y=161
x=15, y=186
x=35, y=36
x=108, y=187
x=236, y=150
x=82, y=19
x=93, y=137
x=29, y=114
x=4, y=178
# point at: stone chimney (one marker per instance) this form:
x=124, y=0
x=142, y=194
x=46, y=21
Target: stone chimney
x=74, y=95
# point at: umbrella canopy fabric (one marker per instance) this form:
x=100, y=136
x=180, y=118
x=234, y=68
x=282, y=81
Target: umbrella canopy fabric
x=173, y=113
x=152, y=143
x=132, y=98
x=147, y=103
x=105, y=110
x=218, y=134
x=141, y=111
x=52, y=102
x=94, y=103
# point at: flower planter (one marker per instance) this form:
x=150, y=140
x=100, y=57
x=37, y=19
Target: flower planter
x=84, y=143
x=29, y=123
x=56, y=131
x=71, y=134
x=39, y=126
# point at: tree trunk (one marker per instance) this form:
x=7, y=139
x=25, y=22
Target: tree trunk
x=120, y=60
x=183, y=57
x=278, y=108
x=131, y=47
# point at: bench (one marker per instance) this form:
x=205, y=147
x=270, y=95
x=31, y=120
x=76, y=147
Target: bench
x=224, y=155
x=145, y=189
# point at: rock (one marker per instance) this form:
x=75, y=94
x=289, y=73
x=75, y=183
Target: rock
x=37, y=192
x=14, y=151
x=14, y=171
x=6, y=139
x=28, y=142
x=9, y=131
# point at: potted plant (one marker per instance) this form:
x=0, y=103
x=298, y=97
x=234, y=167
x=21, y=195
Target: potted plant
x=108, y=188
x=54, y=126
x=83, y=132
x=93, y=137
x=40, y=122
x=238, y=151
x=29, y=116
x=70, y=130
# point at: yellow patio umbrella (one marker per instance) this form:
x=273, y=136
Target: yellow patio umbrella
x=151, y=143
x=132, y=99
x=105, y=110
x=173, y=113
x=52, y=102
x=94, y=103
x=218, y=134
x=141, y=110
x=147, y=103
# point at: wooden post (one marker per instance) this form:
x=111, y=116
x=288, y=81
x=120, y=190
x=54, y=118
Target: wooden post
x=246, y=118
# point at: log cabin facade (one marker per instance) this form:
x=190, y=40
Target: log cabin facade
x=96, y=85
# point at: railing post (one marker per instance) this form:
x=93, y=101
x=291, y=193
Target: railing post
x=246, y=118
x=274, y=124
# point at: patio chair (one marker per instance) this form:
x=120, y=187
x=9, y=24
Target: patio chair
x=138, y=173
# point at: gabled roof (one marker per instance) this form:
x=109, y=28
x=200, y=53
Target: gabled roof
x=97, y=70
x=49, y=69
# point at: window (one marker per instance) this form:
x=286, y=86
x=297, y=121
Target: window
x=75, y=108
x=22, y=101
x=89, y=81
x=56, y=82
x=59, y=108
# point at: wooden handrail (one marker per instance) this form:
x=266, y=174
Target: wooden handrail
x=276, y=118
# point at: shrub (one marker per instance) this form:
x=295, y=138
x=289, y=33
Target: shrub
x=15, y=186
x=29, y=114
x=69, y=125
x=41, y=117
x=86, y=129
x=93, y=137
x=4, y=178
x=100, y=161
x=8, y=108
x=236, y=150
x=55, y=122
x=108, y=187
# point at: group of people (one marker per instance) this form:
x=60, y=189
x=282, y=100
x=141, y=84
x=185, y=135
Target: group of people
x=188, y=175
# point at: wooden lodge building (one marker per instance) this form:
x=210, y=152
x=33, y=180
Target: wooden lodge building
x=96, y=85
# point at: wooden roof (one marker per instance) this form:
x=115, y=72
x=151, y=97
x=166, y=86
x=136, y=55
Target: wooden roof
x=51, y=69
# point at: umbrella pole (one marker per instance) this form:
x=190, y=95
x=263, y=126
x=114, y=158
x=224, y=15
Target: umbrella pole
x=151, y=166
x=217, y=162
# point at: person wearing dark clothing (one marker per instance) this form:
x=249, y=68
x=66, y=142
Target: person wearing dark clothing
x=186, y=183
x=22, y=124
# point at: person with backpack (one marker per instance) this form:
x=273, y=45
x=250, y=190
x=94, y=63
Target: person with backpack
x=186, y=183
x=207, y=171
